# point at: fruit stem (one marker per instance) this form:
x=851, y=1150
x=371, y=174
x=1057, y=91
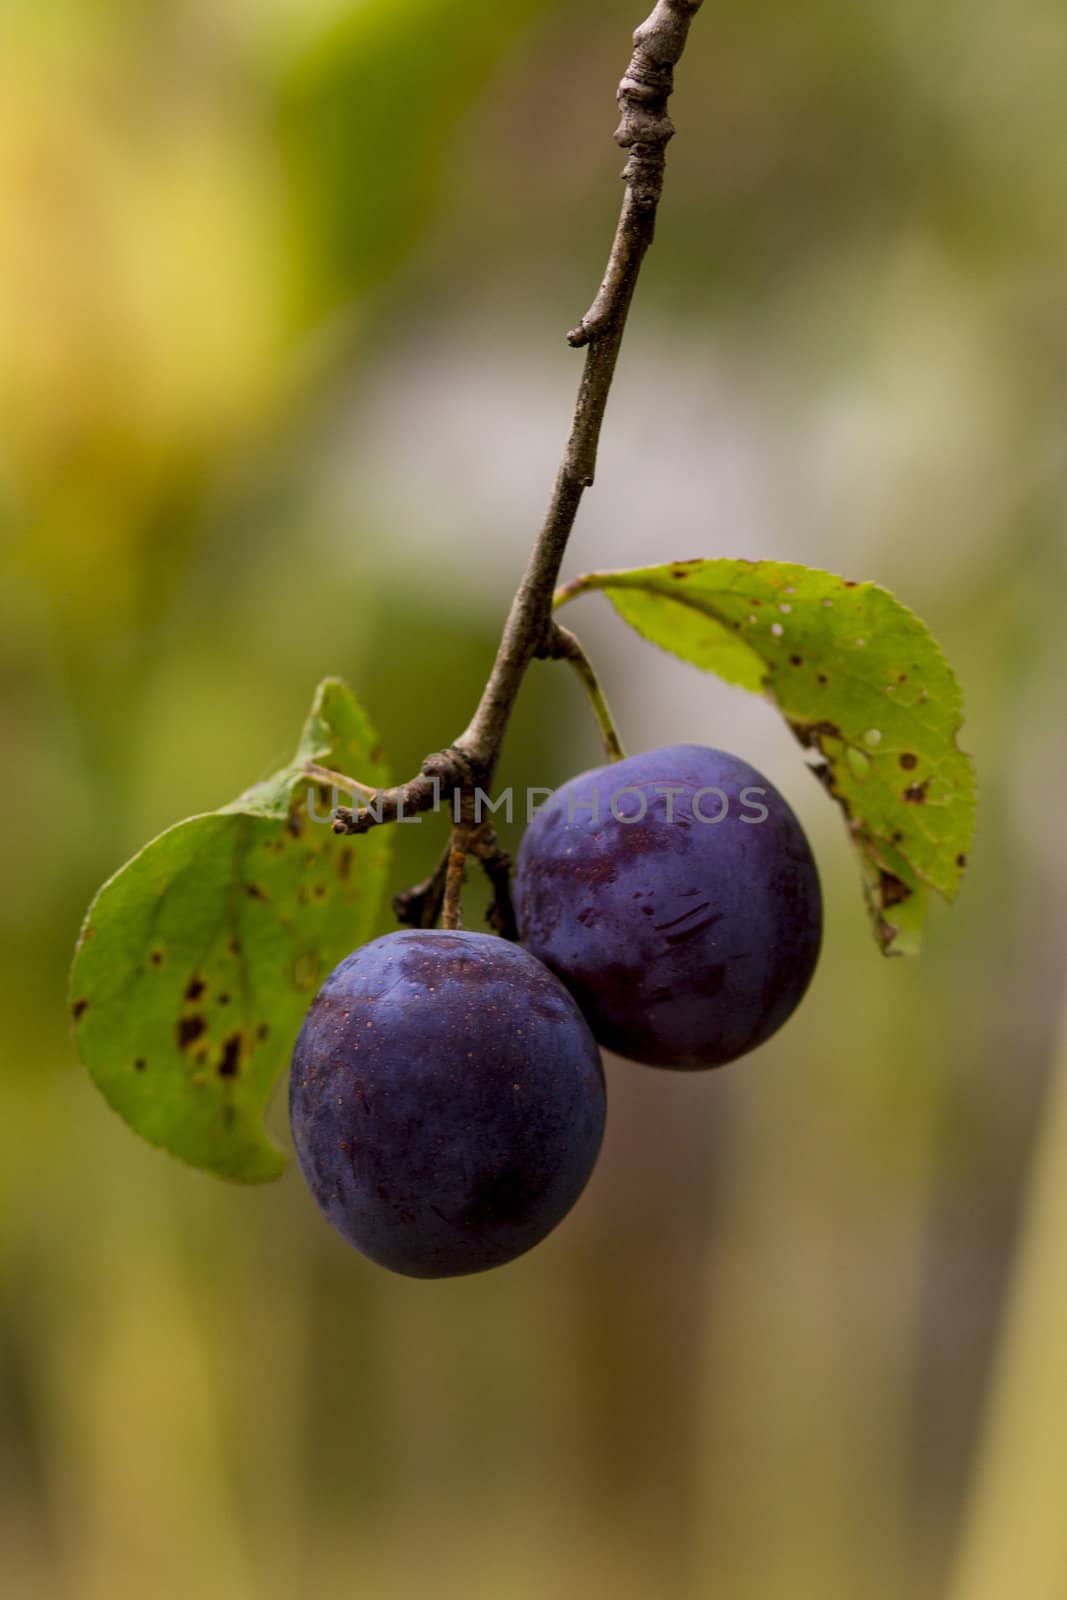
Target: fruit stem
x=420, y=906
x=496, y=864
x=456, y=875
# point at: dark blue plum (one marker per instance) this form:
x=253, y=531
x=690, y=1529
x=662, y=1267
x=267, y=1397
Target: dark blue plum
x=447, y=1101
x=689, y=930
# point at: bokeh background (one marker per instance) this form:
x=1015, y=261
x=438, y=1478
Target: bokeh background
x=283, y=386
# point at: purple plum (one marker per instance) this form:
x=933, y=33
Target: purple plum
x=447, y=1101
x=676, y=896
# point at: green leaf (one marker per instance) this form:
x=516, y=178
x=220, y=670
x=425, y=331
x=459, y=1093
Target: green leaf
x=860, y=680
x=198, y=960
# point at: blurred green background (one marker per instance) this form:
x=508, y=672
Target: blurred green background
x=283, y=386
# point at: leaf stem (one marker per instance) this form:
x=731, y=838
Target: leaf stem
x=338, y=780
x=563, y=645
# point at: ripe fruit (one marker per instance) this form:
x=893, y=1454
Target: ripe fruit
x=447, y=1101
x=686, y=917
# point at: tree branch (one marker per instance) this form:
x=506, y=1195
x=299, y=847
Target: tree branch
x=447, y=768
x=644, y=132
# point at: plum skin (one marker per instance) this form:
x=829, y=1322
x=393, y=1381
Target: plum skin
x=686, y=942
x=447, y=1101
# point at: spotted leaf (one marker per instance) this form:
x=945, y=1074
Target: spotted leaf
x=198, y=960
x=863, y=685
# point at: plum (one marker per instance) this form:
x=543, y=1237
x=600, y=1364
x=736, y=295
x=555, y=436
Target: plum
x=676, y=896
x=447, y=1101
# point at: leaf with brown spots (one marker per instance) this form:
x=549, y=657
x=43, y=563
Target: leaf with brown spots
x=859, y=679
x=204, y=954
